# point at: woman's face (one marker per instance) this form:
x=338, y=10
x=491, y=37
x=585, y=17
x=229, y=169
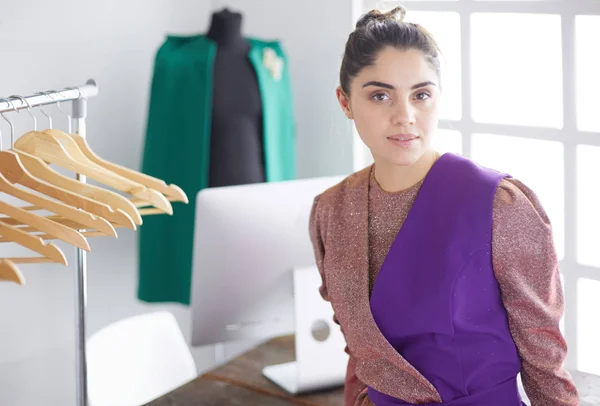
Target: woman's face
x=395, y=104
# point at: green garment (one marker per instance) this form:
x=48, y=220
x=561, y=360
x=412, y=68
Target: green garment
x=177, y=148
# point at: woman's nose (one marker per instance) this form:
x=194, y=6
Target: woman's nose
x=404, y=113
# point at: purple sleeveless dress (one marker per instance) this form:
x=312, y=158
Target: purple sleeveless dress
x=436, y=299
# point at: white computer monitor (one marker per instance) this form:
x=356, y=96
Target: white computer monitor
x=247, y=241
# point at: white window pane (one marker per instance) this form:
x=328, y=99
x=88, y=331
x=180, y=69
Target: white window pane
x=362, y=154
x=537, y=163
x=368, y=5
x=588, y=201
x=588, y=328
x=587, y=68
x=447, y=141
x=445, y=27
x=388, y=5
x=517, y=69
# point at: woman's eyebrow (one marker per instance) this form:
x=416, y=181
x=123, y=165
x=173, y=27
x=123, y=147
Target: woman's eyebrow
x=391, y=87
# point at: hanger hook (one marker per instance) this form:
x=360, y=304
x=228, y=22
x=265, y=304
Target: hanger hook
x=42, y=110
x=12, y=127
x=61, y=109
x=28, y=109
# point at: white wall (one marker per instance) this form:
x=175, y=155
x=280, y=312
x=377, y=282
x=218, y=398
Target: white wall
x=52, y=44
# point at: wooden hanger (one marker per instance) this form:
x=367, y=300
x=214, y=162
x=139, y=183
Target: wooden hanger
x=9, y=272
x=115, y=202
x=49, y=252
x=58, y=219
x=146, y=211
x=79, y=216
x=48, y=148
x=109, y=205
x=173, y=192
x=45, y=225
x=45, y=236
x=14, y=170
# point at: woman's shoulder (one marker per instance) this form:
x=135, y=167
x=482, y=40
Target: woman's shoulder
x=516, y=201
x=351, y=183
x=338, y=196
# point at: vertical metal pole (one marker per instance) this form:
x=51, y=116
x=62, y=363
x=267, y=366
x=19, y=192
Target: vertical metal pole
x=79, y=115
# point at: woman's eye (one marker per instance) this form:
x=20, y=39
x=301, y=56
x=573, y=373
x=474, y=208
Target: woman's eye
x=423, y=96
x=380, y=96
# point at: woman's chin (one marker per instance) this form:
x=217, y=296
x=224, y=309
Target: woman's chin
x=404, y=158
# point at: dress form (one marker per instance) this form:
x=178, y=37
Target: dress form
x=236, y=153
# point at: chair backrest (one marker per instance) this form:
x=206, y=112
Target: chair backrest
x=137, y=359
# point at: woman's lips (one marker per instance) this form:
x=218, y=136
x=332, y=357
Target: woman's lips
x=403, y=140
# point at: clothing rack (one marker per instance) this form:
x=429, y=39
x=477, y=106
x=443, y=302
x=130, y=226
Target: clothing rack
x=78, y=95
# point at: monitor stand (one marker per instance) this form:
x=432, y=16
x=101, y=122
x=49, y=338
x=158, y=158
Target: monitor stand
x=320, y=357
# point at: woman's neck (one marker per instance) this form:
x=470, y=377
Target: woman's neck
x=225, y=29
x=394, y=178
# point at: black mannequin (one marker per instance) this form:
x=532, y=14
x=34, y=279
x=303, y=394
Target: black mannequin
x=236, y=153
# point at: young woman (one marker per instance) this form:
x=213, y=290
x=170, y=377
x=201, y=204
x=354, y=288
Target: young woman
x=442, y=273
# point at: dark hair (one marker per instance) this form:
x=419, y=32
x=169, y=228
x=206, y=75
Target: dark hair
x=376, y=30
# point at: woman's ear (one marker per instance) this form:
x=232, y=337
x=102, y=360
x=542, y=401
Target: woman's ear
x=344, y=102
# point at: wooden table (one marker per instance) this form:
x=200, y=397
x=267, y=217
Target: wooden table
x=240, y=383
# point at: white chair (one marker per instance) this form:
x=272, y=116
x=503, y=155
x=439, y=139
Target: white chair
x=136, y=360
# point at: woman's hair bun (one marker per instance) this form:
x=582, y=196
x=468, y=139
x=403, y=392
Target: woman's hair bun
x=397, y=14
